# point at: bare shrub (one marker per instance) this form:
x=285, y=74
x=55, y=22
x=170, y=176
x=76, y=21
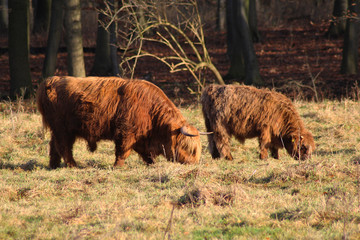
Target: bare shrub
x=175, y=25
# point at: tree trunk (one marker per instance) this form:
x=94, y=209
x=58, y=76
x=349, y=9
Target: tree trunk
x=221, y=15
x=251, y=66
x=75, y=59
x=102, y=64
x=243, y=63
x=338, y=24
x=229, y=28
x=237, y=65
x=349, y=64
x=113, y=42
x=252, y=19
x=42, y=16
x=19, y=27
x=4, y=22
x=54, y=36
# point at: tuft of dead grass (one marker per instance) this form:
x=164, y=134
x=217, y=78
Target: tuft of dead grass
x=216, y=195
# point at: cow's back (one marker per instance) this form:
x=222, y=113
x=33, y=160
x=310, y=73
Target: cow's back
x=83, y=106
x=246, y=110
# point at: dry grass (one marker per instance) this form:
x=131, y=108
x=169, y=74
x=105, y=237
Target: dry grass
x=242, y=199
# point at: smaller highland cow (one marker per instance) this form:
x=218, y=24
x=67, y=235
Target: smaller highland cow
x=248, y=112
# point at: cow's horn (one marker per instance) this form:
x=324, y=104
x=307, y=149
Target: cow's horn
x=205, y=133
x=183, y=131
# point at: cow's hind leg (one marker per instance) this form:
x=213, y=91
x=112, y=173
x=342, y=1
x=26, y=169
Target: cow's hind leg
x=55, y=157
x=64, y=144
x=61, y=145
x=68, y=147
x=69, y=159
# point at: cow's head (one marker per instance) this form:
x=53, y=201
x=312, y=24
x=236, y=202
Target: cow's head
x=187, y=146
x=301, y=145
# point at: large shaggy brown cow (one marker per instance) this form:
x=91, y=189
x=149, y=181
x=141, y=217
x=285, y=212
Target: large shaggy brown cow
x=247, y=112
x=135, y=114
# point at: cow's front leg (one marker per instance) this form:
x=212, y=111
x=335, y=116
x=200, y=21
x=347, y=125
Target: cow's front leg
x=120, y=156
x=122, y=151
x=222, y=142
x=212, y=145
x=148, y=159
x=274, y=152
x=263, y=153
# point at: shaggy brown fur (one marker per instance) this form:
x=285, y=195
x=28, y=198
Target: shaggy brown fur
x=135, y=114
x=247, y=112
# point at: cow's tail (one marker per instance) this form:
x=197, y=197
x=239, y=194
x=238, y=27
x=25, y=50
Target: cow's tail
x=43, y=102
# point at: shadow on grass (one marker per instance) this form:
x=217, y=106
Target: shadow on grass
x=33, y=164
x=291, y=215
x=356, y=160
x=326, y=153
x=91, y=163
x=241, y=230
x=28, y=166
x=262, y=180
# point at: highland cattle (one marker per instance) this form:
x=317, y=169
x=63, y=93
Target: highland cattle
x=135, y=114
x=247, y=112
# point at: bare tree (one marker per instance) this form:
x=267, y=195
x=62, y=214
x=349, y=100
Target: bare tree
x=243, y=63
x=338, y=23
x=106, y=58
x=4, y=22
x=42, y=11
x=19, y=27
x=113, y=41
x=54, y=36
x=221, y=15
x=252, y=19
x=349, y=64
x=75, y=64
x=184, y=31
x=102, y=63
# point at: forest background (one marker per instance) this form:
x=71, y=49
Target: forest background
x=295, y=53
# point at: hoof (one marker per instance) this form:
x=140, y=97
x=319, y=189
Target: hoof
x=71, y=164
x=119, y=163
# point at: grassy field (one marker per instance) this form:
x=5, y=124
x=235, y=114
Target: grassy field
x=217, y=199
